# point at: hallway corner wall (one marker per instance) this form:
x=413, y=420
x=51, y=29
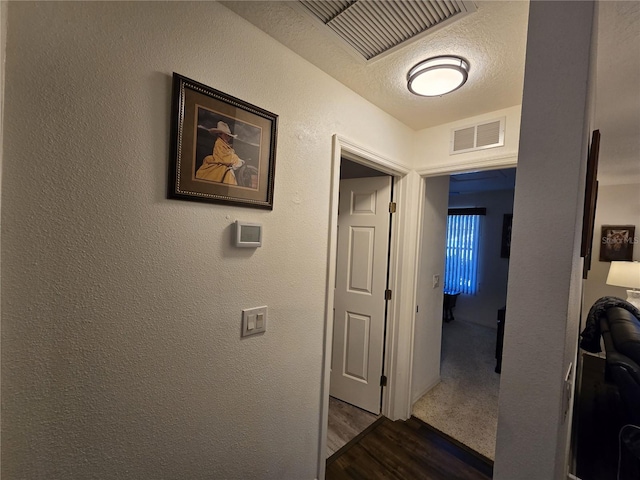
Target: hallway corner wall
x=543, y=299
x=428, y=322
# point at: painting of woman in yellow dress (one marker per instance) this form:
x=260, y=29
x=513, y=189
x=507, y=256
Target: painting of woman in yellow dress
x=221, y=165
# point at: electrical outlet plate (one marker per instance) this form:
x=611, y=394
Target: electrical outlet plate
x=254, y=320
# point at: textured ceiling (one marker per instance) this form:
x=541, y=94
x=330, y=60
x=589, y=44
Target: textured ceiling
x=493, y=40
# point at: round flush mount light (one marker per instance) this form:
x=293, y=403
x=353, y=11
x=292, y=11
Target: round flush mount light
x=437, y=76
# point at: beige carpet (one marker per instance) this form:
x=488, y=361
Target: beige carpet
x=464, y=405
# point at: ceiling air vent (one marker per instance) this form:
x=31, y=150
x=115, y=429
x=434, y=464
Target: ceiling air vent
x=478, y=137
x=371, y=28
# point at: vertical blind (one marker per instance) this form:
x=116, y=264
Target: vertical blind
x=461, y=264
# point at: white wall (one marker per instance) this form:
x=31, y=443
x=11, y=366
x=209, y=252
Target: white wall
x=121, y=309
x=432, y=146
x=543, y=304
x=617, y=205
x=428, y=323
x=493, y=271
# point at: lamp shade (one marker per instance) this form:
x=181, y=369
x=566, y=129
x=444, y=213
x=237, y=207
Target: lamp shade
x=624, y=274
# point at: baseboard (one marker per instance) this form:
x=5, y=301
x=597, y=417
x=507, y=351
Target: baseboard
x=423, y=392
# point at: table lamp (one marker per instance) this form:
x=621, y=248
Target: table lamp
x=626, y=274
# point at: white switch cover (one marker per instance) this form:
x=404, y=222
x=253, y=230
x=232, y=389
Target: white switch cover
x=254, y=320
x=566, y=395
x=436, y=281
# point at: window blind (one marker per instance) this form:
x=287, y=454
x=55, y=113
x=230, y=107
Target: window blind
x=461, y=263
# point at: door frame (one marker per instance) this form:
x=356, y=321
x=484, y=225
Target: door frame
x=404, y=260
x=394, y=404
x=485, y=164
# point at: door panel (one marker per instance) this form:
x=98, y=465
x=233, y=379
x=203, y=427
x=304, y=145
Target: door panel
x=361, y=278
x=361, y=259
x=357, y=346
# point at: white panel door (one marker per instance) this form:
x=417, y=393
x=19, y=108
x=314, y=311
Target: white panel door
x=361, y=279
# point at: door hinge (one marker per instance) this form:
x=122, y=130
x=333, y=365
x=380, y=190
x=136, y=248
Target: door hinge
x=387, y=294
x=392, y=207
x=383, y=381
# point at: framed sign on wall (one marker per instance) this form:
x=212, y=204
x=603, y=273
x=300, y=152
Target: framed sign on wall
x=616, y=243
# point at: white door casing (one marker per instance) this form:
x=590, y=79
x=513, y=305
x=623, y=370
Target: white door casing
x=396, y=398
x=361, y=279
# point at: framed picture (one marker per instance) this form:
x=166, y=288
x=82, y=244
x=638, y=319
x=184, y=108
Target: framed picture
x=590, y=201
x=505, y=250
x=587, y=259
x=223, y=149
x=616, y=243
x=591, y=190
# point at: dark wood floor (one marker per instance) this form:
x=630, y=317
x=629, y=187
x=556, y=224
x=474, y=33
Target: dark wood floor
x=345, y=423
x=406, y=450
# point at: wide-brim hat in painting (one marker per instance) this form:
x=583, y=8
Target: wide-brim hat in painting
x=223, y=128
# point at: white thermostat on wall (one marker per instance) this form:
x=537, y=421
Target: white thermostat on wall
x=248, y=234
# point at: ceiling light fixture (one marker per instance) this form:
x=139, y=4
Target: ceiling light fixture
x=437, y=76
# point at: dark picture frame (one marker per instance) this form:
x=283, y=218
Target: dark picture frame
x=587, y=259
x=505, y=248
x=616, y=243
x=591, y=188
x=223, y=149
x=590, y=202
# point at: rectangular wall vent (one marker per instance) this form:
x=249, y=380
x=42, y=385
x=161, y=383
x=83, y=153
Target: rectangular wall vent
x=464, y=139
x=477, y=137
x=371, y=28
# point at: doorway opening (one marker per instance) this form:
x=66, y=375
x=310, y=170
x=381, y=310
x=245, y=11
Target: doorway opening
x=362, y=366
x=360, y=305
x=463, y=401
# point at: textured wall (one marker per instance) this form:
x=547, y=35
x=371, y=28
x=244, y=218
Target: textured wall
x=428, y=325
x=493, y=271
x=617, y=99
x=121, y=349
x=433, y=145
x=544, y=274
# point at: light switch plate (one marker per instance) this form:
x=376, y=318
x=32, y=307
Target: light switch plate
x=254, y=320
x=567, y=393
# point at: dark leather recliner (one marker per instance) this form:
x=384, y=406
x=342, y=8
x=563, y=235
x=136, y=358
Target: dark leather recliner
x=621, y=334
